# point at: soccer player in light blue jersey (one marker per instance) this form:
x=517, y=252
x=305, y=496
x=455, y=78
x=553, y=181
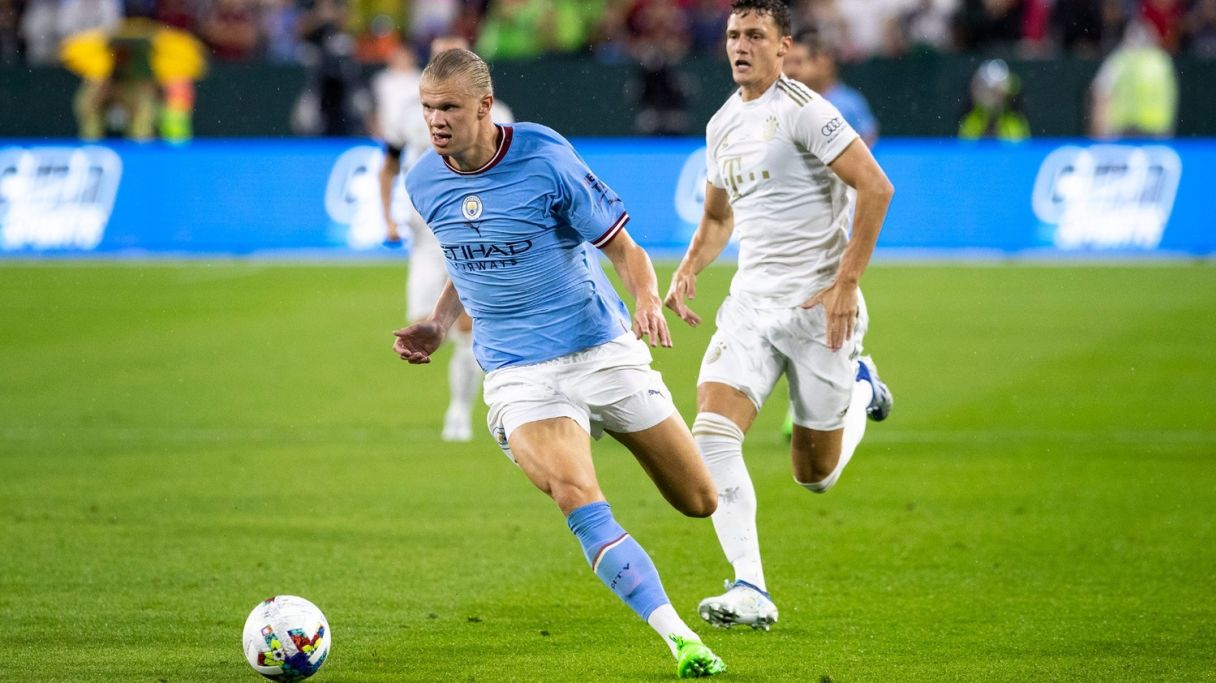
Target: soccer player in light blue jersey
x=513, y=209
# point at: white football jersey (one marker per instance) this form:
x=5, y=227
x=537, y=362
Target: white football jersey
x=792, y=213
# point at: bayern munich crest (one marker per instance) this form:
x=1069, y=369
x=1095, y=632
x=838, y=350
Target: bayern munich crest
x=471, y=207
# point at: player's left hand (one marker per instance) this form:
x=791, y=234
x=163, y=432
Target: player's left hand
x=683, y=286
x=648, y=321
x=840, y=307
x=417, y=342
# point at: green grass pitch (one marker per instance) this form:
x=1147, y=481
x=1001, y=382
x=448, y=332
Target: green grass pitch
x=179, y=441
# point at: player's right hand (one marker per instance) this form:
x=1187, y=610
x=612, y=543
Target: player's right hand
x=417, y=342
x=648, y=323
x=683, y=286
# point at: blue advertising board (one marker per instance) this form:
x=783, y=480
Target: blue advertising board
x=1056, y=197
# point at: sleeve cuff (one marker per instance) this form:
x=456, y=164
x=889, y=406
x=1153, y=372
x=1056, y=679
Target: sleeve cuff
x=603, y=240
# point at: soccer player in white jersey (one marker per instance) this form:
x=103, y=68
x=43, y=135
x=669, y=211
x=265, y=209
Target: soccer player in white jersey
x=780, y=162
x=406, y=138
x=513, y=208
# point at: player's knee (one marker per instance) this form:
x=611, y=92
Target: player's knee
x=701, y=503
x=572, y=495
x=820, y=486
x=814, y=469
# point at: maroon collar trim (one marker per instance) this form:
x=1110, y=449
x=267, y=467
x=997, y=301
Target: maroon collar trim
x=504, y=143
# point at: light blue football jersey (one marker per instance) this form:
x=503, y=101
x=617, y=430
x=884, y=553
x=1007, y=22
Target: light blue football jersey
x=514, y=236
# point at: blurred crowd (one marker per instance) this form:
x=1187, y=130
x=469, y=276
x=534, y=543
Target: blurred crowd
x=300, y=31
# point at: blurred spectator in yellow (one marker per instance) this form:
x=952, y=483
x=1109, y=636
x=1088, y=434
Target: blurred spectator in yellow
x=138, y=75
x=230, y=27
x=1135, y=93
x=994, y=105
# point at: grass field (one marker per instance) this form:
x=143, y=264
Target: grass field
x=180, y=441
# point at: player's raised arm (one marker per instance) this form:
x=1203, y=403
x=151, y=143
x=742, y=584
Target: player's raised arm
x=417, y=342
x=856, y=167
x=633, y=264
x=717, y=222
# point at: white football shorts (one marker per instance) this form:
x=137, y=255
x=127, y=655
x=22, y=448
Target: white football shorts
x=753, y=346
x=607, y=387
x=427, y=273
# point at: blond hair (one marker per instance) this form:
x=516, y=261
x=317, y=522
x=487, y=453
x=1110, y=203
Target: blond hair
x=460, y=64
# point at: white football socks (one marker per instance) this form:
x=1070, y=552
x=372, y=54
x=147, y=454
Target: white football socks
x=721, y=444
x=854, y=429
x=667, y=623
x=464, y=374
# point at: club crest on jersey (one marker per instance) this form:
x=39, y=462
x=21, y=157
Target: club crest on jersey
x=770, y=128
x=471, y=207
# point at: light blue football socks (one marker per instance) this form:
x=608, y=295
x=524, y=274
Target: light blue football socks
x=628, y=571
x=617, y=559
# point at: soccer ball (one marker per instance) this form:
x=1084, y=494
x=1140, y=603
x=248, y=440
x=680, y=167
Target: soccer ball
x=286, y=638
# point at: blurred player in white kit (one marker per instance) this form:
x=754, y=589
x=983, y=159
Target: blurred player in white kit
x=780, y=163
x=405, y=134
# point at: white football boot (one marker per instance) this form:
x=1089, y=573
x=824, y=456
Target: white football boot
x=457, y=425
x=742, y=603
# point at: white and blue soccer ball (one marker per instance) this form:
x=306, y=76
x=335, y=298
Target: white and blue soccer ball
x=286, y=638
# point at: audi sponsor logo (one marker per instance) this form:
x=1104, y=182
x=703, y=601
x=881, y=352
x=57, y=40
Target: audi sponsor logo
x=832, y=126
x=56, y=197
x=1107, y=196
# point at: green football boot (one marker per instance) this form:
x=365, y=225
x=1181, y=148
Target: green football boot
x=695, y=660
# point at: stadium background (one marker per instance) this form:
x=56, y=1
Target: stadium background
x=198, y=407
